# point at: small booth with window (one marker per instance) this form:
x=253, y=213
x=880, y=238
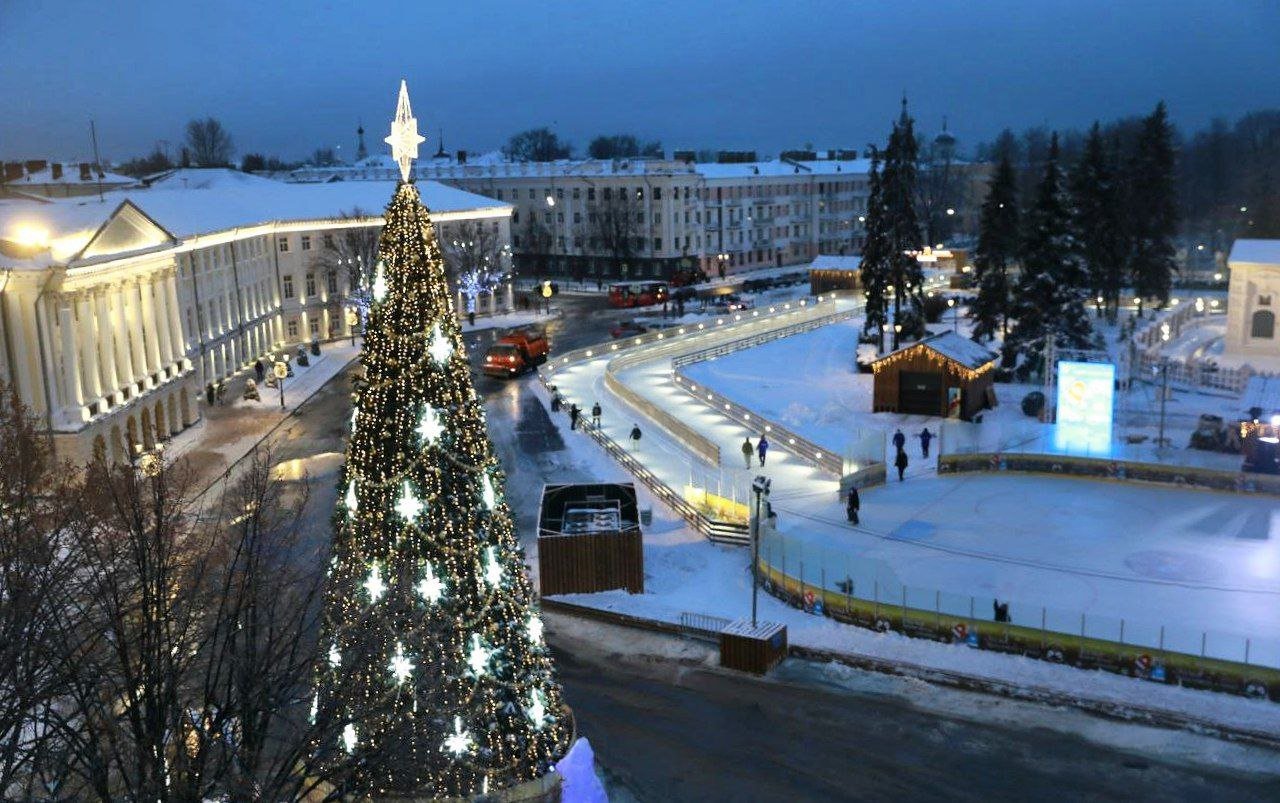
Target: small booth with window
x=946, y=375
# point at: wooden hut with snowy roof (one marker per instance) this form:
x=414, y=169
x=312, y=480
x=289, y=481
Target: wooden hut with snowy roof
x=945, y=375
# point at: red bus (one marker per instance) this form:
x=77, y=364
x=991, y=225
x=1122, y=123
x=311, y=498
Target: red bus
x=637, y=294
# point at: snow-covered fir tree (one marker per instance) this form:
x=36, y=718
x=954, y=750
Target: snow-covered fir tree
x=1151, y=209
x=428, y=612
x=874, y=269
x=1053, y=286
x=1096, y=219
x=902, y=229
x=999, y=239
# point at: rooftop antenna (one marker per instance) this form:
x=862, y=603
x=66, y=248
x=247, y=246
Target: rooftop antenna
x=97, y=162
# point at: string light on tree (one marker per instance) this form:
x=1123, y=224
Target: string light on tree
x=431, y=518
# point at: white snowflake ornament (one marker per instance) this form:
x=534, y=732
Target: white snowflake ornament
x=374, y=583
x=487, y=494
x=460, y=742
x=409, y=505
x=380, y=282
x=441, y=348
x=537, y=710
x=401, y=667
x=353, y=503
x=478, y=658
x=492, y=568
x=430, y=587
x=349, y=738
x=534, y=628
x=429, y=426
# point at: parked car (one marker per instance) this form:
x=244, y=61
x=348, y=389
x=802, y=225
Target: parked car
x=628, y=329
x=731, y=303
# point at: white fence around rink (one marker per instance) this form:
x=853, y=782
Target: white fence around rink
x=654, y=346
x=837, y=571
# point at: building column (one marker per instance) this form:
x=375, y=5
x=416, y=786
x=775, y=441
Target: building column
x=175, y=321
x=25, y=365
x=88, y=338
x=73, y=398
x=162, y=321
x=148, y=326
x=106, y=343
x=124, y=343
x=133, y=319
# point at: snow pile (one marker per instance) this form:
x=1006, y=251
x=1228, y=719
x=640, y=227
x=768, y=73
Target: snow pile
x=578, y=769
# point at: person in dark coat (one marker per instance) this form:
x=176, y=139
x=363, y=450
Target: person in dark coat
x=925, y=436
x=762, y=448
x=471, y=317
x=747, y=450
x=259, y=370
x=901, y=462
x=899, y=440
x=854, y=504
x=635, y=435
x=595, y=415
x=995, y=610
x=573, y=416
x=556, y=401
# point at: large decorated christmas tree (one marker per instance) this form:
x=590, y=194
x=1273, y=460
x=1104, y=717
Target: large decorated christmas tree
x=436, y=653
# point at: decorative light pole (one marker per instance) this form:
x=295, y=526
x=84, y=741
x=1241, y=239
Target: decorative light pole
x=955, y=315
x=281, y=370
x=759, y=486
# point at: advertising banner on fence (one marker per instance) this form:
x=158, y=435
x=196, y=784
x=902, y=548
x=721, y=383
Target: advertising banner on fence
x=1086, y=398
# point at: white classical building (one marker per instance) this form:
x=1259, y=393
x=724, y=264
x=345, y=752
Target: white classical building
x=115, y=314
x=1253, y=300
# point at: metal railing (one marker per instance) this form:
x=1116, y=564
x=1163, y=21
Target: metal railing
x=702, y=625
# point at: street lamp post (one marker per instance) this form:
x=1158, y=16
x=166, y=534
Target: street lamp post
x=1163, y=368
x=955, y=315
x=760, y=486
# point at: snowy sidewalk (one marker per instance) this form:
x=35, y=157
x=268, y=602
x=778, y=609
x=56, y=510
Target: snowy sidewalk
x=227, y=432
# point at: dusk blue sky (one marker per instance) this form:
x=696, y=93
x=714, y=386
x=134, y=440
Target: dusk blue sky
x=287, y=76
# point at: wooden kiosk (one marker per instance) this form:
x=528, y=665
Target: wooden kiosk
x=946, y=375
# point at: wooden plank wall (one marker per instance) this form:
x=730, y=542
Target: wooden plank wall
x=584, y=564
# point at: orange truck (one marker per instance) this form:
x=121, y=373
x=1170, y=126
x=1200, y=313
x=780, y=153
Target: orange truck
x=516, y=352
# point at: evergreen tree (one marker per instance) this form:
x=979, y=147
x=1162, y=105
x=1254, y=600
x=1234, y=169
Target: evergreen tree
x=1152, y=209
x=1095, y=195
x=874, y=269
x=426, y=574
x=1053, y=285
x=902, y=230
x=999, y=239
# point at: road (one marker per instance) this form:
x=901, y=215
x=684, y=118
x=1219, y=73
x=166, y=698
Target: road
x=670, y=732
x=679, y=730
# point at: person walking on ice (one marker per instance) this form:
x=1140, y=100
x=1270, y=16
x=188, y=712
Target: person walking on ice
x=762, y=448
x=925, y=436
x=635, y=436
x=899, y=440
x=574, y=412
x=901, y=463
x=595, y=419
x=747, y=450
x=853, y=505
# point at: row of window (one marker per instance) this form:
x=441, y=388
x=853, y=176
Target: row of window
x=331, y=283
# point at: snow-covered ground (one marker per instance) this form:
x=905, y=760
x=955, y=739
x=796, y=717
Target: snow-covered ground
x=1197, y=562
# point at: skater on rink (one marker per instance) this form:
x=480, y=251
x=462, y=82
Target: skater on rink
x=853, y=505
x=574, y=412
x=899, y=440
x=595, y=422
x=762, y=448
x=901, y=462
x=925, y=436
x=747, y=449
x=635, y=435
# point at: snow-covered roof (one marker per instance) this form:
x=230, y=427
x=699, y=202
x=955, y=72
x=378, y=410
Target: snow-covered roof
x=835, y=262
x=954, y=347
x=1266, y=252
x=780, y=168
x=70, y=175
x=194, y=202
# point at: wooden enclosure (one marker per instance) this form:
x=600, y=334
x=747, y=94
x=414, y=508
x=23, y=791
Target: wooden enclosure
x=945, y=375
x=589, y=539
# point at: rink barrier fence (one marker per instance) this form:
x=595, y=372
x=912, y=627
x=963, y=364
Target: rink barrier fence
x=1079, y=650
x=1121, y=470
x=729, y=532
x=780, y=436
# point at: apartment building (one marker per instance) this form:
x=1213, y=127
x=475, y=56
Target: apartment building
x=650, y=218
x=115, y=314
